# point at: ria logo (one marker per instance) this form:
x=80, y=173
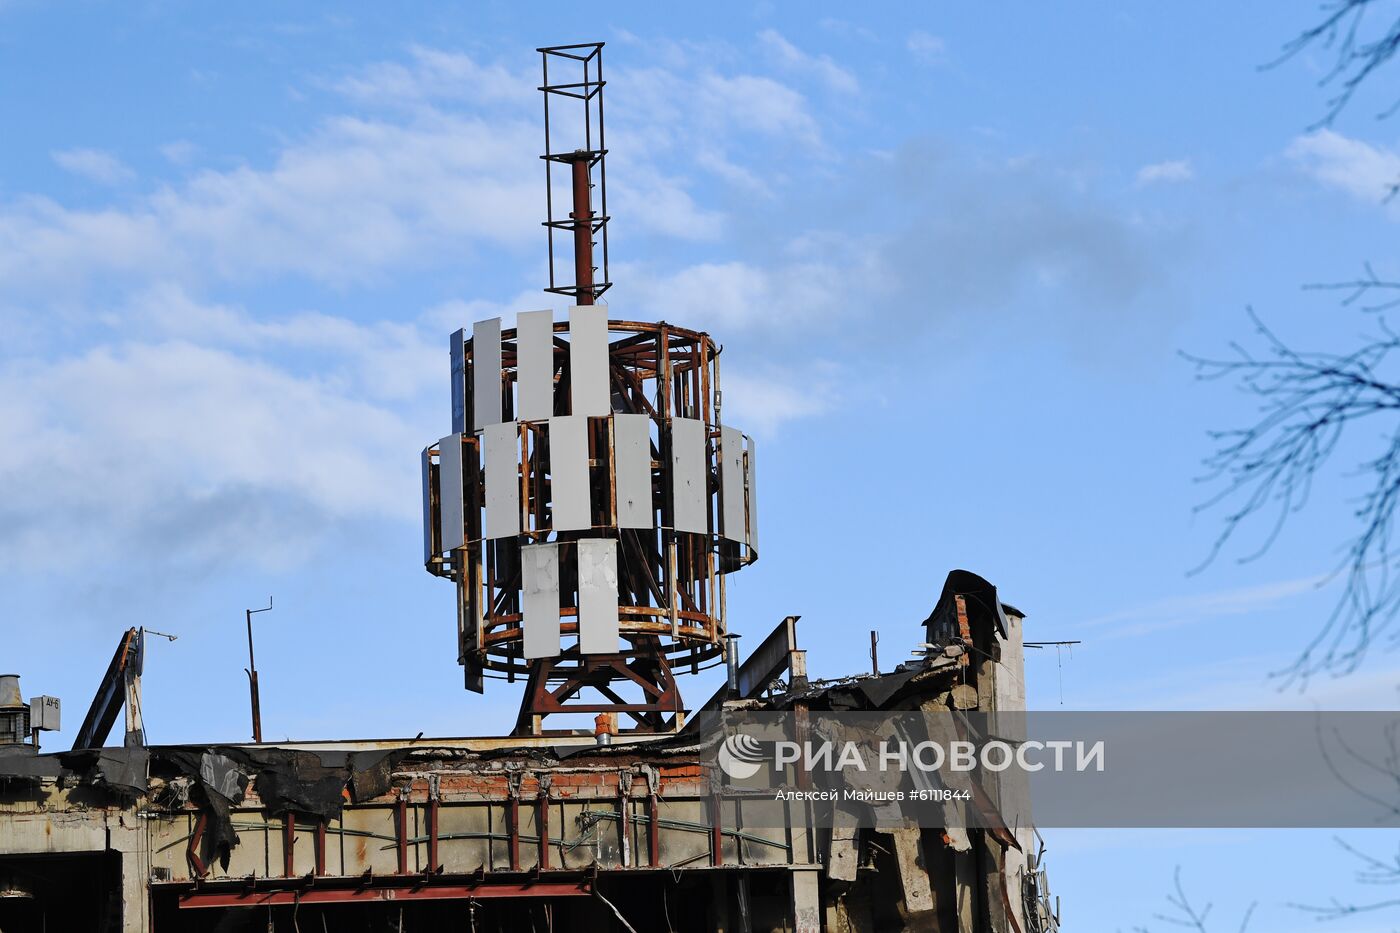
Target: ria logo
x=740, y=756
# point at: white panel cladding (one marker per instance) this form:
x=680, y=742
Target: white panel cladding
x=534, y=379
x=597, y=595
x=458, y=350
x=689, y=463
x=731, y=484
x=539, y=603
x=588, y=360
x=750, y=471
x=486, y=373
x=568, y=474
x=632, y=466
x=452, y=520
x=501, y=455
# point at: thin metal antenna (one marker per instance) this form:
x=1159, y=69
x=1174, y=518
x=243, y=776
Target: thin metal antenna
x=252, y=671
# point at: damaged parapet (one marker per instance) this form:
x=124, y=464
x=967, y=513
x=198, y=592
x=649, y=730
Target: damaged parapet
x=510, y=827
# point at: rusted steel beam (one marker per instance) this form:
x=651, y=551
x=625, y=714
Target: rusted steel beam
x=433, y=864
x=289, y=839
x=320, y=847
x=514, y=832
x=653, y=831
x=197, y=866
x=542, y=824
x=582, y=217
x=414, y=891
x=716, y=832
x=402, y=831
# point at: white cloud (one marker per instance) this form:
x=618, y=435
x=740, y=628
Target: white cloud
x=760, y=401
x=179, y=152
x=355, y=198
x=1176, y=170
x=94, y=165
x=438, y=75
x=819, y=66
x=1366, y=172
x=928, y=47
x=189, y=454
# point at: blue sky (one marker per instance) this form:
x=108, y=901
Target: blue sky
x=952, y=257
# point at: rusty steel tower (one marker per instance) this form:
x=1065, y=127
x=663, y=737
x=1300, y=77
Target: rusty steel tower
x=590, y=499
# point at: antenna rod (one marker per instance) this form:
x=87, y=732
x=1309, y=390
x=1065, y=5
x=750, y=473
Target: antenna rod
x=582, y=217
x=252, y=671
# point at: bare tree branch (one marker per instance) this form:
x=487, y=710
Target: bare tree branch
x=1185, y=914
x=1373, y=871
x=1360, y=50
x=1306, y=403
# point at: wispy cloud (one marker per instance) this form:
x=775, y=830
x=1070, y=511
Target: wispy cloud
x=1195, y=608
x=94, y=165
x=1175, y=170
x=923, y=45
x=1366, y=172
x=820, y=66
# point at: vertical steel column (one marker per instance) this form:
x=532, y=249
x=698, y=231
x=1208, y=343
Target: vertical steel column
x=582, y=217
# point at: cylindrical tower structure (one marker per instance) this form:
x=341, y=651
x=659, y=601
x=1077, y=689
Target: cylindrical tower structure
x=590, y=499
x=589, y=502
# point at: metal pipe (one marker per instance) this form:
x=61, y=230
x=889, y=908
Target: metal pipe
x=582, y=217
x=731, y=660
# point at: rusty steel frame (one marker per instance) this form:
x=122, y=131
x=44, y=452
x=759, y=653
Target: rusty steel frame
x=265, y=893
x=582, y=156
x=672, y=581
x=646, y=667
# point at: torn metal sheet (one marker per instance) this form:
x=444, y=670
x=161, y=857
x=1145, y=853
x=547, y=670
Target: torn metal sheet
x=486, y=373
x=501, y=452
x=568, y=467
x=539, y=602
x=597, y=595
x=534, y=352
x=632, y=464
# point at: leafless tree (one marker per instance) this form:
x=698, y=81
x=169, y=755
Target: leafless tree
x=1183, y=913
x=1373, y=871
x=1307, y=403
x=1360, y=50
x=1310, y=401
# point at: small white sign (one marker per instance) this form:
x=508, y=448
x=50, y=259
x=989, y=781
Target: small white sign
x=43, y=713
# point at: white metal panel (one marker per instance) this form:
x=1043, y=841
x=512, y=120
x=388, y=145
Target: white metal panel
x=452, y=532
x=458, y=351
x=690, y=500
x=539, y=603
x=588, y=360
x=486, y=373
x=429, y=521
x=568, y=473
x=501, y=453
x=632, y=466
x=750, y=472
x=597, y=595
x=534, y=377
x=731, y=483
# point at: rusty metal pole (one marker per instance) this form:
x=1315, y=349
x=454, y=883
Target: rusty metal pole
x=252, y=671
x=582, y=217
